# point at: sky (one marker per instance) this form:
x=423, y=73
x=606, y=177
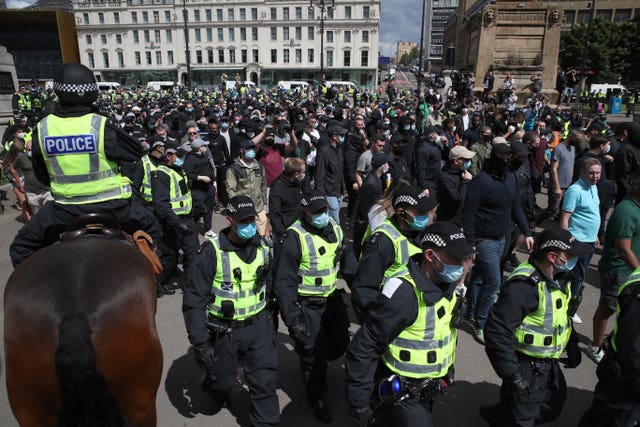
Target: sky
x=399, y=20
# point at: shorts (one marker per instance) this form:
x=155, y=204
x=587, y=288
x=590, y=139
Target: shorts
x=609, y=285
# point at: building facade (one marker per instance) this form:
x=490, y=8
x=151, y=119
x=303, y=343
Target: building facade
x=402, y=48
x=441, y=11
x=264, y=41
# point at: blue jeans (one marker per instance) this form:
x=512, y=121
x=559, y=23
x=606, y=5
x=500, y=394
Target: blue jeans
x=486, y=278
x=580, y=270
x=334, y=207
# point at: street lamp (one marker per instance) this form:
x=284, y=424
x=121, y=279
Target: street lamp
x=185, y=18
x=323, y=5
x=421, y=49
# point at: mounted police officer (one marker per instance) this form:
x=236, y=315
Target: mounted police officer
x=407, y=344
x=527, y=330
x=224, y=311
x=305, y=283
x=77, y=153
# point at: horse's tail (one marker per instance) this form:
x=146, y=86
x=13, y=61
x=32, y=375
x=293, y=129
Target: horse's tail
x=86, y=399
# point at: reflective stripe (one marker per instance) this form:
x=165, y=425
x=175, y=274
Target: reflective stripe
x=77, y=179
x=239, y=312
x=421, y=345
x=149, y=167
x=540, y=350
x=177, y=200
x=95, y=197
x=418, y=369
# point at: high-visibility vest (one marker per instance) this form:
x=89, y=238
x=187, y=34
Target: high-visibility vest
x=633, y=279
x=148, y=167
x=427, y=347
x=74, y=154
x=403, y=248
x=318, y=270
x=236, y=282
x=181, y=203
x=543, y=333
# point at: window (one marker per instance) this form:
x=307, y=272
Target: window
x=274, y=13
x=311, y=12
x=298, y=13
x=158, y=57
x=136, y=36
x=243, y=34
x=118, y=38
x=85, y=20
x=274, y=56
x=196, y=15
x=285, y=13
x=310, y=33
x=329, y=36
x=243, y=14
x=103, y=38
x=254, y=54
x=120, y=59
x=232, y=34
x=156, y=36
x=298, y=56
x=148, y=57
x=100, y=18
x=274, y=34
x=364, y=58
x=207, y=15
x=622, y=15
x=310, y=56
x=209, y=34
x=365, y=36
x=329, y=59
x=366, y=12
x=199, y=56
x=91, y=61
x=136, y=56
x=347, y=12
x=167, y=16
x=298, y=33
x=116, y=17
x=329, y=13
x=347, y=58
x=254, y=13
x=604, y=14
x=156, y=17
x=147, y=38
x=232, y=56
x=134, y=17
x=88, y=39
x=254, y=34
x=221, y=56
x=243, y=56
x=583, y=16
x=219, y=14
x=347, y=36
x=210, y=56
x=220, y=34
x=168, y=36
x=285, y=56
x=285, y=34
x=197, y=35
x=105, y=59
x=145, y=17
x=170, y=57
x=231, y=14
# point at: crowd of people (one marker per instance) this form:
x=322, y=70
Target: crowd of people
x=441, y=192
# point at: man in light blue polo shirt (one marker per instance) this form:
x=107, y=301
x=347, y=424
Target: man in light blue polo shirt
x=581, y=216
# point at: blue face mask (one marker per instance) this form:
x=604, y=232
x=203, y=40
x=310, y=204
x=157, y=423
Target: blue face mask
x=246, y=231
x=224, y=125
x=29, y=153
x=568, y=265
x=320, y=220
x=250, y=154
x=467, y=165
x=450, y=273
x=419, y=223
x=179, y=161
x=607, y=149
x=342, y=139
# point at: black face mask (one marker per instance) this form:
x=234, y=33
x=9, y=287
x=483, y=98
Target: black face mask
x=487, y=138
x=214, y=133
x=269, y=141
x=399, y=149
x=498, y=167
x=515, y=164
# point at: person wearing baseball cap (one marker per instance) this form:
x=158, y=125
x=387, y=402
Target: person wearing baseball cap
x=224, y=309
x=453, y=183
x=305, y=282
x=528, y=329
x=418, y=344
x=386, y=251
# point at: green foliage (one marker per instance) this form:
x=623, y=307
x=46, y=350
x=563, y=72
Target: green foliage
x=405, y=59
x=614, y=50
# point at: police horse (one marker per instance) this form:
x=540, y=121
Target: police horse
x=80, y=337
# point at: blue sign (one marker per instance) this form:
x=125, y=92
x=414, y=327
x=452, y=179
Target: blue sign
x=70, y=144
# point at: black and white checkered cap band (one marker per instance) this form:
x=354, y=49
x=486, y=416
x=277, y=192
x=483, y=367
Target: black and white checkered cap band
x=406, y=199
x=435, y=239
x=75, y=88
x=555, y=244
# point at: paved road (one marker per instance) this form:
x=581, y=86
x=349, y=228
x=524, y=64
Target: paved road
x=182, y=403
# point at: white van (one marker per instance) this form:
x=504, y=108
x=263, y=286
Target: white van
x=110, y=86
x=604, y=88
x=344, y=84
x=231, y=84
x=166, y=85
x=293, y=84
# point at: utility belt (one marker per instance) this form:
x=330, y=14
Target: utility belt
x=536, y=362
x=317, y=301
x=217, y=325
x=396, y=389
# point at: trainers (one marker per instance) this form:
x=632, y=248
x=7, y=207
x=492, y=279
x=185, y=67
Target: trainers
x=576, y=319
x=210, y=234
x=597, y=353
x=478, y=334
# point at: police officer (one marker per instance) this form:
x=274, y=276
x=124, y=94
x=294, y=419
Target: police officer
x=224, y=311
x=150, y=162
x=407, y=344
x=77, y=154
x=172, y=203
x=305, y=276
x=527, y=330
x=386, y=252
x=616, y=401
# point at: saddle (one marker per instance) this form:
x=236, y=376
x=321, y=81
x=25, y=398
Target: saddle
x=106, y=226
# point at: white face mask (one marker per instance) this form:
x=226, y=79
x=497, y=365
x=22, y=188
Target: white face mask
x=20, y=135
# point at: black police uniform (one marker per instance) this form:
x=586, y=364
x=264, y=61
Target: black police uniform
x=393, y=312
x=250, y=342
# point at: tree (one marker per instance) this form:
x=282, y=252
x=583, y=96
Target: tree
x=405, y=59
